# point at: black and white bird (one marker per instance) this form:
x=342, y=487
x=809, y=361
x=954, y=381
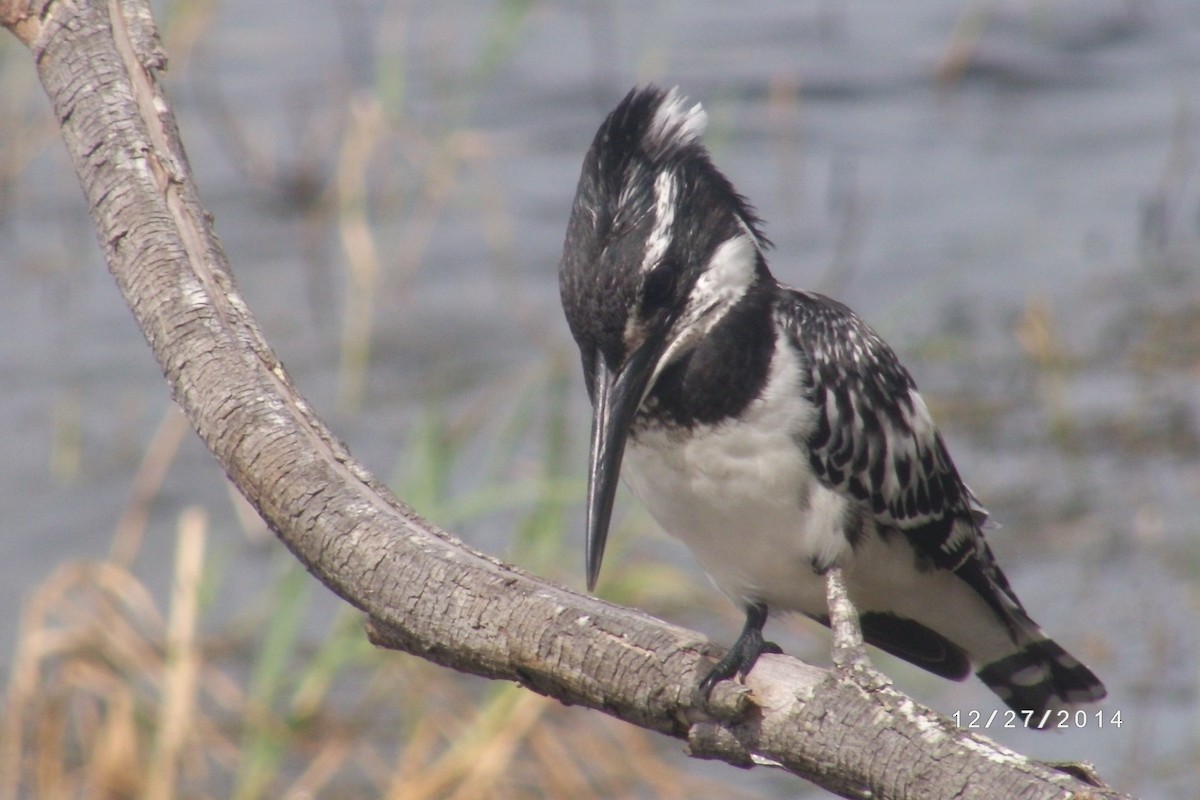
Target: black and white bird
x=769, y=428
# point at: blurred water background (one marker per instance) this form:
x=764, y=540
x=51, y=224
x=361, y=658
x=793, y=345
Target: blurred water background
x=1008, y=190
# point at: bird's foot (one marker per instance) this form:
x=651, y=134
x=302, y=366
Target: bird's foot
x=737, y=662
x=745, y=651
x=849, y=653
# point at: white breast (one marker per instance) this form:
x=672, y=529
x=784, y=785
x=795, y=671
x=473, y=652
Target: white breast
x=742, y=497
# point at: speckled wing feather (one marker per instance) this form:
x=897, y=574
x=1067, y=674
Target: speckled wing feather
x=874, y=440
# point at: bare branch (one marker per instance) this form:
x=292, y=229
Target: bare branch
x=425, y=592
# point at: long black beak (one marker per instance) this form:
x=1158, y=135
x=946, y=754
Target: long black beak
x=615, y=399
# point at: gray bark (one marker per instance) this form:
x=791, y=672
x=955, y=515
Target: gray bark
x=424, y=591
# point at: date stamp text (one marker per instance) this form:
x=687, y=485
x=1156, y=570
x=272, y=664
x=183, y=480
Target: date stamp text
x=1058, y=718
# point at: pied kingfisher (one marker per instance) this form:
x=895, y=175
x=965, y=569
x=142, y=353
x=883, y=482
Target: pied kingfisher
x=770, y=429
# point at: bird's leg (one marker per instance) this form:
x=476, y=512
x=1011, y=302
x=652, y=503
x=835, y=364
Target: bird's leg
x=849, y=653
x=745, y=651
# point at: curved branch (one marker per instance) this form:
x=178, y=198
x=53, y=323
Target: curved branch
x=423, y=590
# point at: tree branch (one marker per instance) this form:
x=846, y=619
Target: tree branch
x=423, y=590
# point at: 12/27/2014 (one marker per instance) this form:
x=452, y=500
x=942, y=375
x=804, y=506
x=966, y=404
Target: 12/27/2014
x=1059, y=718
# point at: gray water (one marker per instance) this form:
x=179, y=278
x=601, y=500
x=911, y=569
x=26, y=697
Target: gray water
x=1053, y=176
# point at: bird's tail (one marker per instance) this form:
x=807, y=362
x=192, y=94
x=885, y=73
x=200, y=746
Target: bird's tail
x=1039, y=678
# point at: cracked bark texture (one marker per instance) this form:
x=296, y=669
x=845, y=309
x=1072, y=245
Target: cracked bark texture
x=422, y=590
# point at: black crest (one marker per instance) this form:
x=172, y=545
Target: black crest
x=651, y=139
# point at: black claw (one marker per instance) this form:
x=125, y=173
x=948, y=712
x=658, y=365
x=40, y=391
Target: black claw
x=745, y=651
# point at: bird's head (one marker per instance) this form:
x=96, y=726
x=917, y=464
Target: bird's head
x=659, y=247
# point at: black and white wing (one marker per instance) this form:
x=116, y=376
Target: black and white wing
x=874, y=440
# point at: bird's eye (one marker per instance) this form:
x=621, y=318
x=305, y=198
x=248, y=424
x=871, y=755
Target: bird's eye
x=659, y=288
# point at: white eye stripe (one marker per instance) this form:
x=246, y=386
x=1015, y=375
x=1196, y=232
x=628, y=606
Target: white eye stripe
x=728, y=275
x=664, y=219
x=726, y=278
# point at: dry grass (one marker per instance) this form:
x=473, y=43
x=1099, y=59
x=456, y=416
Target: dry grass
x=117, y=693
x=112, y=695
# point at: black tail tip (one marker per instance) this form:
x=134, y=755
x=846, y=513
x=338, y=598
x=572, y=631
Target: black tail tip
x=1040, y=679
